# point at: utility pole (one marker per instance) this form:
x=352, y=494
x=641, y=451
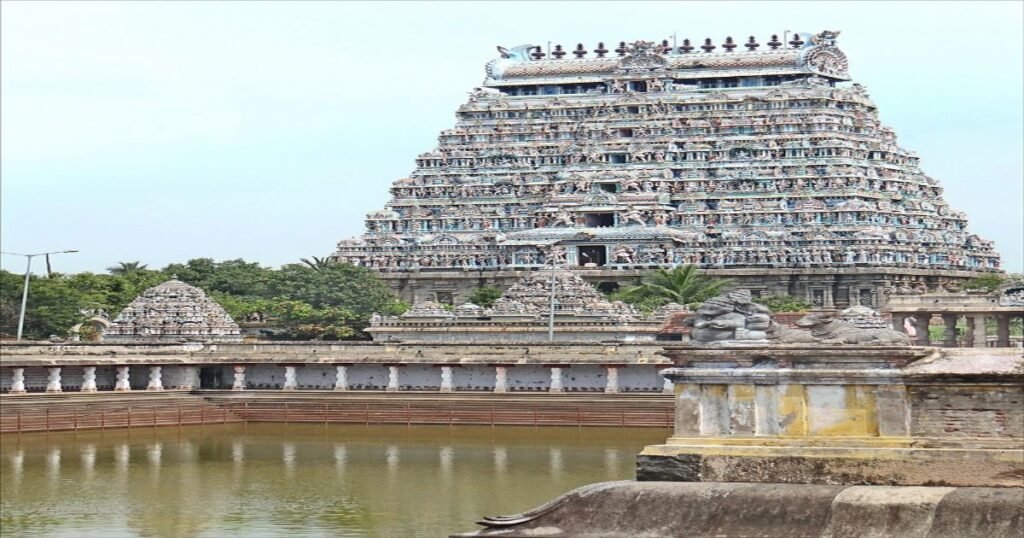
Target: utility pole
x=551, y=305
x=28, y=273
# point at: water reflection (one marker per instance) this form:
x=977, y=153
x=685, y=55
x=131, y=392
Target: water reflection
x=273, y=480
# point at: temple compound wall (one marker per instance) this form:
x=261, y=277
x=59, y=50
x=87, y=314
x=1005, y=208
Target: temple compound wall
x=761, y=162
x=612, y=367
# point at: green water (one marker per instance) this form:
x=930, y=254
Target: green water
x=297, y=480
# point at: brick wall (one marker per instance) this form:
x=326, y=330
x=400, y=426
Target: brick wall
x=967, y=411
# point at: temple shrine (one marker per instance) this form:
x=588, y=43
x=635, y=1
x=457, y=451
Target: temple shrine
x=761, y=162
x=173, y=312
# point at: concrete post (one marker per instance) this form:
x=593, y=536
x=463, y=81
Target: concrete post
x=239, y=381
x=17, y=381
x=921, y=322
x=88, y=379
x=341, y=378
x=446, y=379
x=612, y=385
x=53, y=382
x=949, y=336
x=290, y=382
x=1003, y=330
x=121, y=384
x=556, y=379
x=980, y=335
x=500, y=379
x=392, y=379
x=156, y=381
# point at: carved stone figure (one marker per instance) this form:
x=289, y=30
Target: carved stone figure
x=832, y=330
x=732, y=316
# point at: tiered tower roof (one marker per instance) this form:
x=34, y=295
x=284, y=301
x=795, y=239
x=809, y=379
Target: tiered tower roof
x=173, y=311
x=727, y=155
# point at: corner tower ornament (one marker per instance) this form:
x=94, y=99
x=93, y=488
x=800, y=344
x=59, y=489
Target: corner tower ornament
x=763, y=161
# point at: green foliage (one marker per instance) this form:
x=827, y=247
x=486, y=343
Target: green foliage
x=485, y=296
x=985, y=282
x=783, y=303
x=318, y=301
x=684, y=285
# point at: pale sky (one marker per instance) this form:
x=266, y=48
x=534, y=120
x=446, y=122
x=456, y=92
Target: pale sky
x=160, y=132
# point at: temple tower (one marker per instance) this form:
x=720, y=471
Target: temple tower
x=763, y=163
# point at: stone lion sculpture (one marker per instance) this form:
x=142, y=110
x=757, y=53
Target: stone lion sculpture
x=731, y=316
x=832, y=330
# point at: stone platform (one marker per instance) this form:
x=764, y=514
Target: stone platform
x=710, y=509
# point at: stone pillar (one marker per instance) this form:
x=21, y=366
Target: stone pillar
x=742, y=415
x=392, y=379
x=612, y=385
x=446, y=379
x=156, y=381
x=500, y=379
x=290, y=382
x=766, y=410
x=921, y=323
x=687, y=411
x=1003, y=330
x=121, y=384
x=893, y=411
x=17, y=381
x=949, y=335
x=969, y=333
x=898, y=319
x=556, y=379
x=341, y=378
x=714, y=410
x=88, y=379
x=53, y=382
x=667, y=387
x=239, y=381
x=190, y=378
x=980, y=336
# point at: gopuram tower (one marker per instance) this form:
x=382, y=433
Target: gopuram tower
x=755, y=161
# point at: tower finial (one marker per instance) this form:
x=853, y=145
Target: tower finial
x=707, y=46
x=751, y=44
x=775, y=43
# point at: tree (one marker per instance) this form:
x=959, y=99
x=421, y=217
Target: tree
x=316, y=263
x=683, y=285
x=485, y=296
x=783, y=303
x=985, y=282
x=125, y=268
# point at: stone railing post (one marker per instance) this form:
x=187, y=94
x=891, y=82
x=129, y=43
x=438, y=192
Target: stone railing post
x=893, y=410
x=88, y=379
x=500, y=379
x=156, y=381
x=980, y=336
x=17, y=381
x=290, y=381
x=949, y=335
x=122, y=383
x=393, y=385
x=239, y=381
x=612, y=384
x=1003, y=330
x=556, y=379
x=341, y=378
x=446, y=379
x=53, y=381
x=921, y=322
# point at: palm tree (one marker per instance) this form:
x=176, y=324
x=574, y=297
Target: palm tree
x=682, y=285
x=125, y=268
x=316, y=263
